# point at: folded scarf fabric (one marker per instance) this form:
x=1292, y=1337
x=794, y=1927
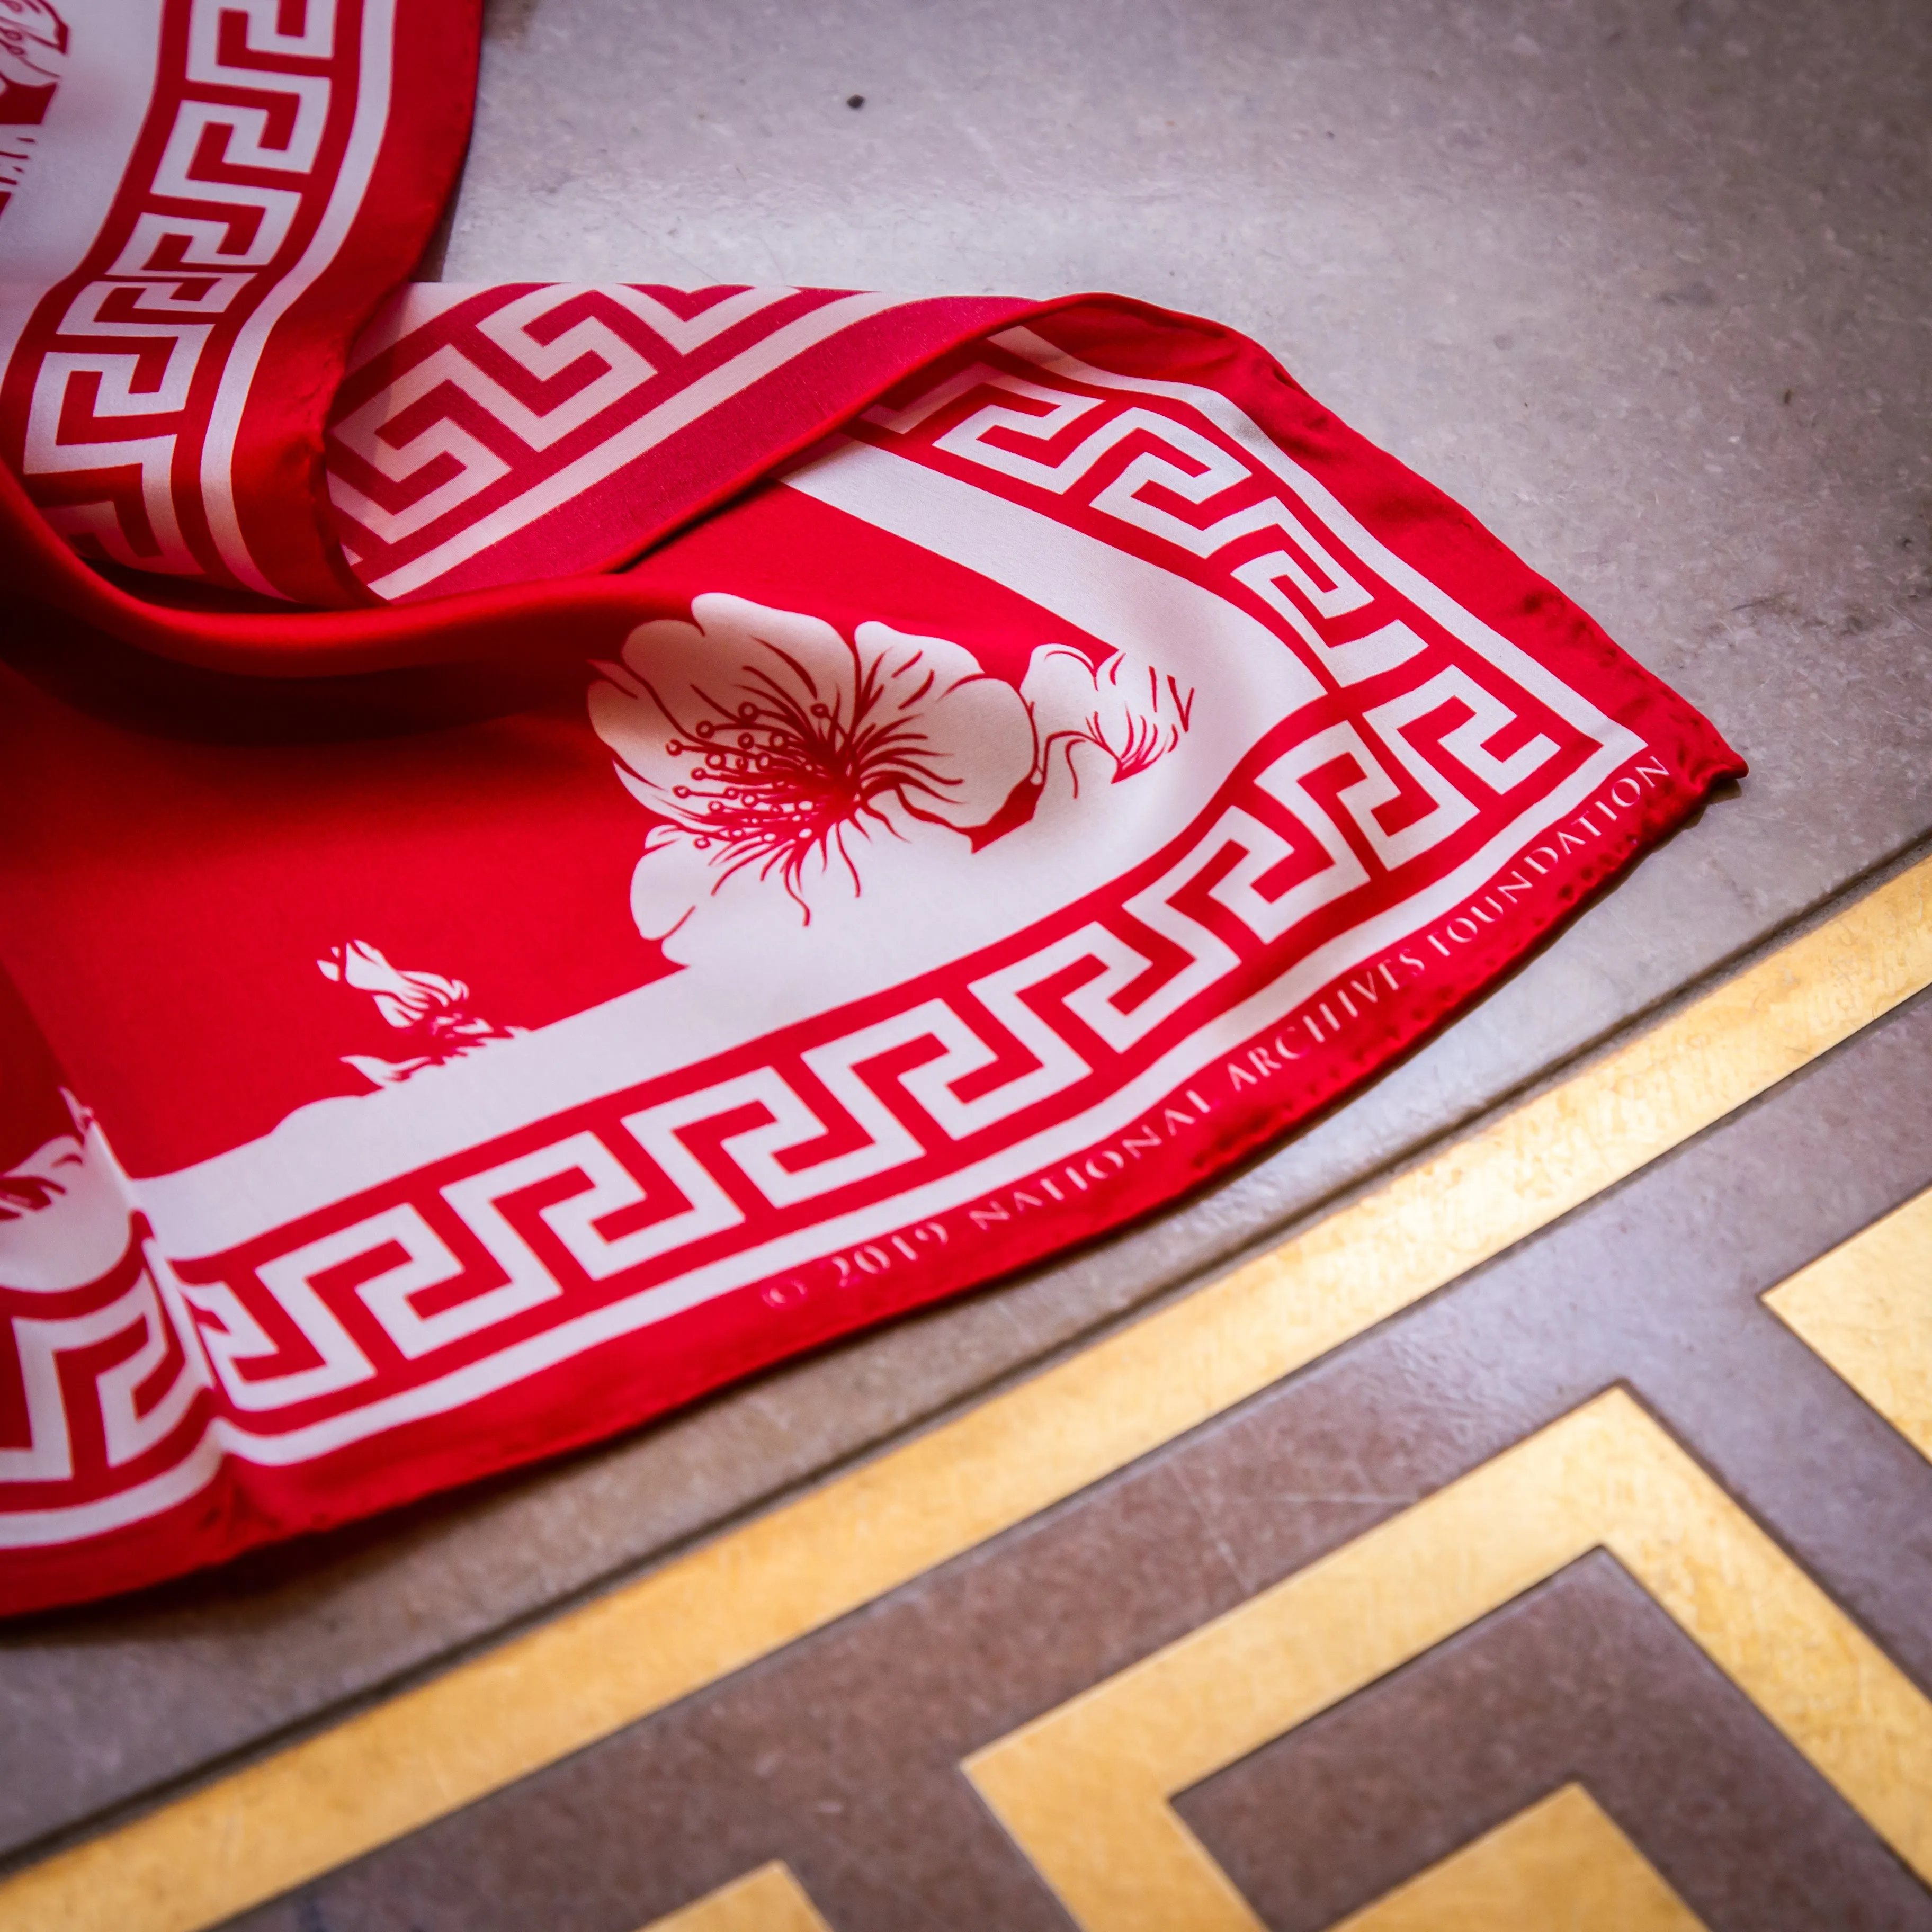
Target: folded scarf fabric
x=563, y=844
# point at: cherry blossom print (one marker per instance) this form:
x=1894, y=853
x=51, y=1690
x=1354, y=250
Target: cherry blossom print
x=767, y=743
x=64, y=1210
x=431, y=1011
x=774, y=752
x=33, y=51
x=1118, y=720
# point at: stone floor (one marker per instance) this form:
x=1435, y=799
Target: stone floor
x=1649, y=288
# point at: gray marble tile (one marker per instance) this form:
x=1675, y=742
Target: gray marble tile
x=1649, y=289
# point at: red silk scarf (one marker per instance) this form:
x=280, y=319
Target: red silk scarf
x=467, y=989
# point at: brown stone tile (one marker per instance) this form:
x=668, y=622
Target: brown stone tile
x=840, y=1756
x=1584, y=1678
x=1656, y=1285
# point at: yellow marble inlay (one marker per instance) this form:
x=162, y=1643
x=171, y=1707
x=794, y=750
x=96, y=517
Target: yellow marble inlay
x=768, y=1900
x=259, y=1831
x=1560, y=1866
x=1867, y=1308
x=1085, y=1790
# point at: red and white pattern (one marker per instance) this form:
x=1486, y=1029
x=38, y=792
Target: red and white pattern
x=1078, y=757
x=491, y=436
x=1064, y=921
x=129, y=387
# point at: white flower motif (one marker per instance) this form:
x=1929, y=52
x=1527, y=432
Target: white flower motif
x=771, y=750
x=767, y=744
x=64, y=1210
x=433, y=1010
x=1127, y=711
x=33, y=44
x=403, y=999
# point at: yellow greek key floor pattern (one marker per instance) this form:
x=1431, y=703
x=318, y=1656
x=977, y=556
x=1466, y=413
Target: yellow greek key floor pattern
x=1085, y=1790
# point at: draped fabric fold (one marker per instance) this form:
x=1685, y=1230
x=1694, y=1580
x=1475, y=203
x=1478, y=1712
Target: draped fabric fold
x=566, y=843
